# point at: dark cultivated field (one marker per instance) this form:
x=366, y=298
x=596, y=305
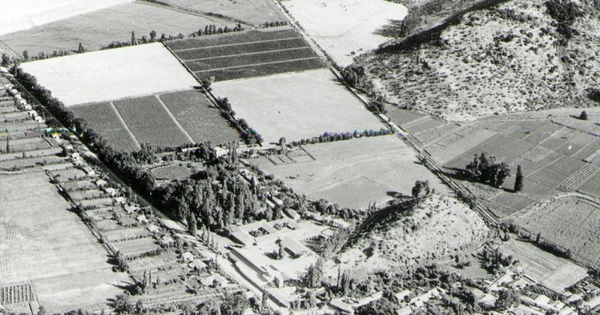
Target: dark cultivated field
x=249, y=54
x=104, y=120
x=135, y=121
x=197, y=116
x=150, y=123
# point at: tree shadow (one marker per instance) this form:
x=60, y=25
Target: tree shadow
x=397, y=195
x=393, y=29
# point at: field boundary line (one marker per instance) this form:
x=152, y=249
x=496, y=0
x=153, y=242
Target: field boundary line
x=237, y=44
x=185, y=133
x=122, y=121
x=258, y=64
x=247, y=54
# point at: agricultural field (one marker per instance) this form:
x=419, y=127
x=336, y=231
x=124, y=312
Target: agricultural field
x=571, y=222
x=149, y=121
x=45, y=243
x=254, y=12
x=249, y=54
x=162, y=120
x=111, y=74
x=98, y=29
x=346, y=28
x=388, y=240
x=104, y=119
x=352, y=173
x=554, y=156
x=200, y=119
x=300, y=105
x=25, y=14
x=551, y=271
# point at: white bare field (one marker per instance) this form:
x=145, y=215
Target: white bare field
x=341, y=27
x=296, y=105
x=24, y=14
x=108, y=75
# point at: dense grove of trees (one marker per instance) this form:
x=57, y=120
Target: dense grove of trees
x=484, y=169
x=564, y=13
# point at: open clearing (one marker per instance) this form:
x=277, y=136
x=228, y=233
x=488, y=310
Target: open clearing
x=354, y=172
x=99, y=28
x=298, y=105
x=345, y=28
x=247, y=54
x=111, y=74
x=551, y=271
x=571, y=223
x=254, y=12
x=41, y=241
x=25, y=14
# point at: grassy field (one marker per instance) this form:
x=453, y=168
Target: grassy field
x=551, y=271
x=299, y=105
x=111, y=74
x=25, y=14
x=99, y=28
x=41, y=240
x=248, y=54
x=198, y=117
x=103, y=119
x=569, y=222
x=150, y=122
x=345, y=28
x=254, y=12
x=354, y=173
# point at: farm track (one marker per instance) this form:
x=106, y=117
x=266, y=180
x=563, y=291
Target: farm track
x=257, y=64
x=185, y=133
x=122, y=121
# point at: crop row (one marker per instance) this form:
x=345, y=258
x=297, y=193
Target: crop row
x=250, y=59
x=251, y=36
x=259, y=70
x=240, y=48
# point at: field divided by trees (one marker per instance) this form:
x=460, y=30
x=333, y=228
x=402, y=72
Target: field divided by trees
x=245, y=55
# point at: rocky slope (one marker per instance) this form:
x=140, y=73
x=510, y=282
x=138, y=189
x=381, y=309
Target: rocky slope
x=515, y=56
x=414, y=233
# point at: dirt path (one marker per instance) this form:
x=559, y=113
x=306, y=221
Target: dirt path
x=185, y=133
x=137, y=145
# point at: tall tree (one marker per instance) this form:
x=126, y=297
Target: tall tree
x=25, y=55
x=81, y=49
x=192, y=224
x=583, y=115
x=519, y=180
x=133, y=39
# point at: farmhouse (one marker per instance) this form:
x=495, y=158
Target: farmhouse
x=292, y=214
x=294, y=248
x=240, y=236
x=214, y=280
x=197, y=265
x=341, y=306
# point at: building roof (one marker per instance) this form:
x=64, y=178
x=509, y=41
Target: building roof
x=240, y=236
x=293, y=246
